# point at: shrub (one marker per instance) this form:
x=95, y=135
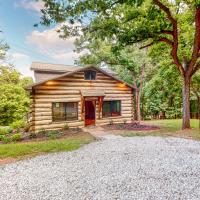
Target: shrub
x=27, y=127
x=18, y=124
x=2, y=137
x=6, y=139
x=41, y=132
x=111, y=122
x=125, y=121
x=5, y=131
x=66, y=127
x=16, y=137
x=53, y=134
x=32, y=135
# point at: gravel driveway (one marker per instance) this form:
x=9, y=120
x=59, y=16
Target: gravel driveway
x=115, y=168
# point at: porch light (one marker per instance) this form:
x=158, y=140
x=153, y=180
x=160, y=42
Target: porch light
x=49, y=82
x=122, y=85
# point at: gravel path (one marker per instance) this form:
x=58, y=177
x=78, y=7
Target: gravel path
x=115, y=168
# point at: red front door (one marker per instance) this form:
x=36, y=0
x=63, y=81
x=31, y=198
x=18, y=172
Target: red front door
x=90, y=112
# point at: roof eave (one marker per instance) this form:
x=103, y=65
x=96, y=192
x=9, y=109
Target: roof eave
x=79, y=70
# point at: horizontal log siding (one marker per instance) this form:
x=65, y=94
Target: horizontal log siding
x=67, y=89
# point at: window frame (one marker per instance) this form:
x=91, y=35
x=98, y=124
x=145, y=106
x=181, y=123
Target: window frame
x=65, y=113
x=93, y=71
x=120, y=110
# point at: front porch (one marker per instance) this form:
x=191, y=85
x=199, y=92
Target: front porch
x=91, y=106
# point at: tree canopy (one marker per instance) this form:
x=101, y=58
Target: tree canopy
x=171, y=27
x=14, y=100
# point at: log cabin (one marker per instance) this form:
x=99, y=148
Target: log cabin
x=78, y=96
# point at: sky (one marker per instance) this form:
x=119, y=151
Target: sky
x=28, y=43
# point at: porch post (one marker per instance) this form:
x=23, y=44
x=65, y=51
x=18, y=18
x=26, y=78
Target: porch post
x=100, y=106
x=82, y=107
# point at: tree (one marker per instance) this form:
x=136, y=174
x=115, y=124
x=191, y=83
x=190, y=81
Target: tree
x=3, y=49
x=175, y=23
x=128, y=63
x=14, y=100
x=163, y=95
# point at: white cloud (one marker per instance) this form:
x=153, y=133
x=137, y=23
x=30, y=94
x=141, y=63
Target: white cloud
x=66, y=56
x=50, y=44
x=18, y=56
x=21, y=62
x=31, y=5
x=49, y=39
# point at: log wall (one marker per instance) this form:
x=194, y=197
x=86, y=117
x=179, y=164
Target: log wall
x=68, y=89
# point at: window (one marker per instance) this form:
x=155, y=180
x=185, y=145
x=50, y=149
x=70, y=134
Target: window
x=111, y=108
x=90, y=75
x=66, y=111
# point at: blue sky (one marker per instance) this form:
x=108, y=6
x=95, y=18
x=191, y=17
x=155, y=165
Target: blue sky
x=28, y=44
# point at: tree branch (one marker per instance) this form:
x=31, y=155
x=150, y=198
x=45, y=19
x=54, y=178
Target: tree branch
x=163, y=39
x=196, y=46
x=148, y=45
x=167, y=32
x=196, y=68
x=174, y=34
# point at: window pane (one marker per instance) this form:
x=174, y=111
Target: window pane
x=90, y=75
x=65, y=111
x=71, y=110
x=106, y=109
x=111, y=108
x=58, y=112
x=115, y=108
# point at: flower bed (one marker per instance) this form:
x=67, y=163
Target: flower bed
x=8, y=135
x=131, y=126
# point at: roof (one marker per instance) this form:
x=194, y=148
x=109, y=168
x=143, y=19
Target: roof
x=38, y=66
x=79, y=70
x=92, y=93
x=109, y=71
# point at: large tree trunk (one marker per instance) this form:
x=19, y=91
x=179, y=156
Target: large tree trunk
x=186, y=103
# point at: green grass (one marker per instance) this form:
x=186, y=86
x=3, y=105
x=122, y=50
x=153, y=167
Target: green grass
x=20, y=150
x=170, y=127
x=173, y=124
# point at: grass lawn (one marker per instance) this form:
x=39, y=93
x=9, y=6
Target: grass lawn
x=27, y=149
x=168, y=127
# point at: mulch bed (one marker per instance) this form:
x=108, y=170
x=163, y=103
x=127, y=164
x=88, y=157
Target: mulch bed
x=131, y=126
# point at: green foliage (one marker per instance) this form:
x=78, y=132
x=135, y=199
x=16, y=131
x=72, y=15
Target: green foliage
x=6, y=140
x=5, y=130
x=27, y=127
x=2, y=137
x=53, y=134
x=16, y=137
x=33, y=135
x=41, y=132
x=110, y=30
x=18, y=124
x=3, y=49
x=19, y=150
x=66, y=127
x=14, y=100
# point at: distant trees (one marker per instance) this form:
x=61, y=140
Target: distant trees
x=14, y=100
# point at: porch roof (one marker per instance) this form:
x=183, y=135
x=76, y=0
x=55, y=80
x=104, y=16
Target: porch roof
x=92, y=93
